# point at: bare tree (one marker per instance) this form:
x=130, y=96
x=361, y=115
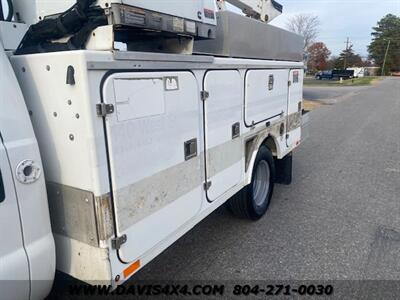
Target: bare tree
x=306, y=25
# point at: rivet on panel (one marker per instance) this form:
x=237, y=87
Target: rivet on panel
x=69, y=102
x=71, y=137
x=55, y=114
x=48, y=68
x=77, y=116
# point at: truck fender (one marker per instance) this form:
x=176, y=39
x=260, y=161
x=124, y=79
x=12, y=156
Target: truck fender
x=252, y=148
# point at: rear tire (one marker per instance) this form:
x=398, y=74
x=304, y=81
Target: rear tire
x=252, y=201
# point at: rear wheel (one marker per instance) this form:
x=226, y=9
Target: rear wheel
x=252, y=202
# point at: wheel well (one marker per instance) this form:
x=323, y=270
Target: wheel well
x=253, y=145
x=283, y=167
x=252, y=148
x=271, y=144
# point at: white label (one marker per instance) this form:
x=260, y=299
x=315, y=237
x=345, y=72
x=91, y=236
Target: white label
x=178, y=24
x=139, y=98
x=190, y=27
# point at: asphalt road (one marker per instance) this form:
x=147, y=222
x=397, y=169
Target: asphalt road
x=331, y=94
x=338, y=220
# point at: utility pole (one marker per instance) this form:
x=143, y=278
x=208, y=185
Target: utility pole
x=346, y=53
x=384, y=60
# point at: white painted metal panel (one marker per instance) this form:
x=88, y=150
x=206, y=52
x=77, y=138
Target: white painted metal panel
x=29, y=11
x=296, y=78
x=14, y=270
x=223, y=109
x=11, y=34
x=189, y=9
x=129, y=95
x=264, y=101
x=70, y=134
x=155, y=189
x=19, y=140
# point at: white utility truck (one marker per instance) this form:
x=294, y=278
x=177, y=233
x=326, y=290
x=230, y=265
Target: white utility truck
x=359, y=72
x=200, y=106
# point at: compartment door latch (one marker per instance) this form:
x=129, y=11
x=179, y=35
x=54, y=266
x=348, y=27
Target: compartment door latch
x=116, y=243
x=190, y=148
x=207, y=185
x=103, y=109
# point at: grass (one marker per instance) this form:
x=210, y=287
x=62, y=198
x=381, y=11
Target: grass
x=312, y=105
x=364, y=81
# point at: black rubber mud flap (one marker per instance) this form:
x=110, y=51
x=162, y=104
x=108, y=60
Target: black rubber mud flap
x=283, y=169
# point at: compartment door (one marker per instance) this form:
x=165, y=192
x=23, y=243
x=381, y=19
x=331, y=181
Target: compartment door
x=295, y=107
x=153, y=141
x=266, y=95
x=223, y=121
x=14, y=271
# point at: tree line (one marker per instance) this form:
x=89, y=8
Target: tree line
x=383, y=50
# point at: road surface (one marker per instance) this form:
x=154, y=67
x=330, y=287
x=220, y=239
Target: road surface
x=338, y=220
x=331, y=94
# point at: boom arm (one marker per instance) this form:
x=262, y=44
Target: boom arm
x=263, y=10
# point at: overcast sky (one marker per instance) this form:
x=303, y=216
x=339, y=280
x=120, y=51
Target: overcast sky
x=341, y=19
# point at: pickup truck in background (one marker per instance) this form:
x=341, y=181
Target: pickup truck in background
x=335, y=74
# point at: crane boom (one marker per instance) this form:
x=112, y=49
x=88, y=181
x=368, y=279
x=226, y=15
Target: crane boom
x=133, y=22
x=263, y=10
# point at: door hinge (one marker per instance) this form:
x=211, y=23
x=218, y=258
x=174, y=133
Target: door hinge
x=116, y=243
x=289, y=83
x=207, y=185
x=103, y=109
x=204, y=95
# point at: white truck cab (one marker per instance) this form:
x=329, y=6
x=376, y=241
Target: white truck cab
x=27, y=252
